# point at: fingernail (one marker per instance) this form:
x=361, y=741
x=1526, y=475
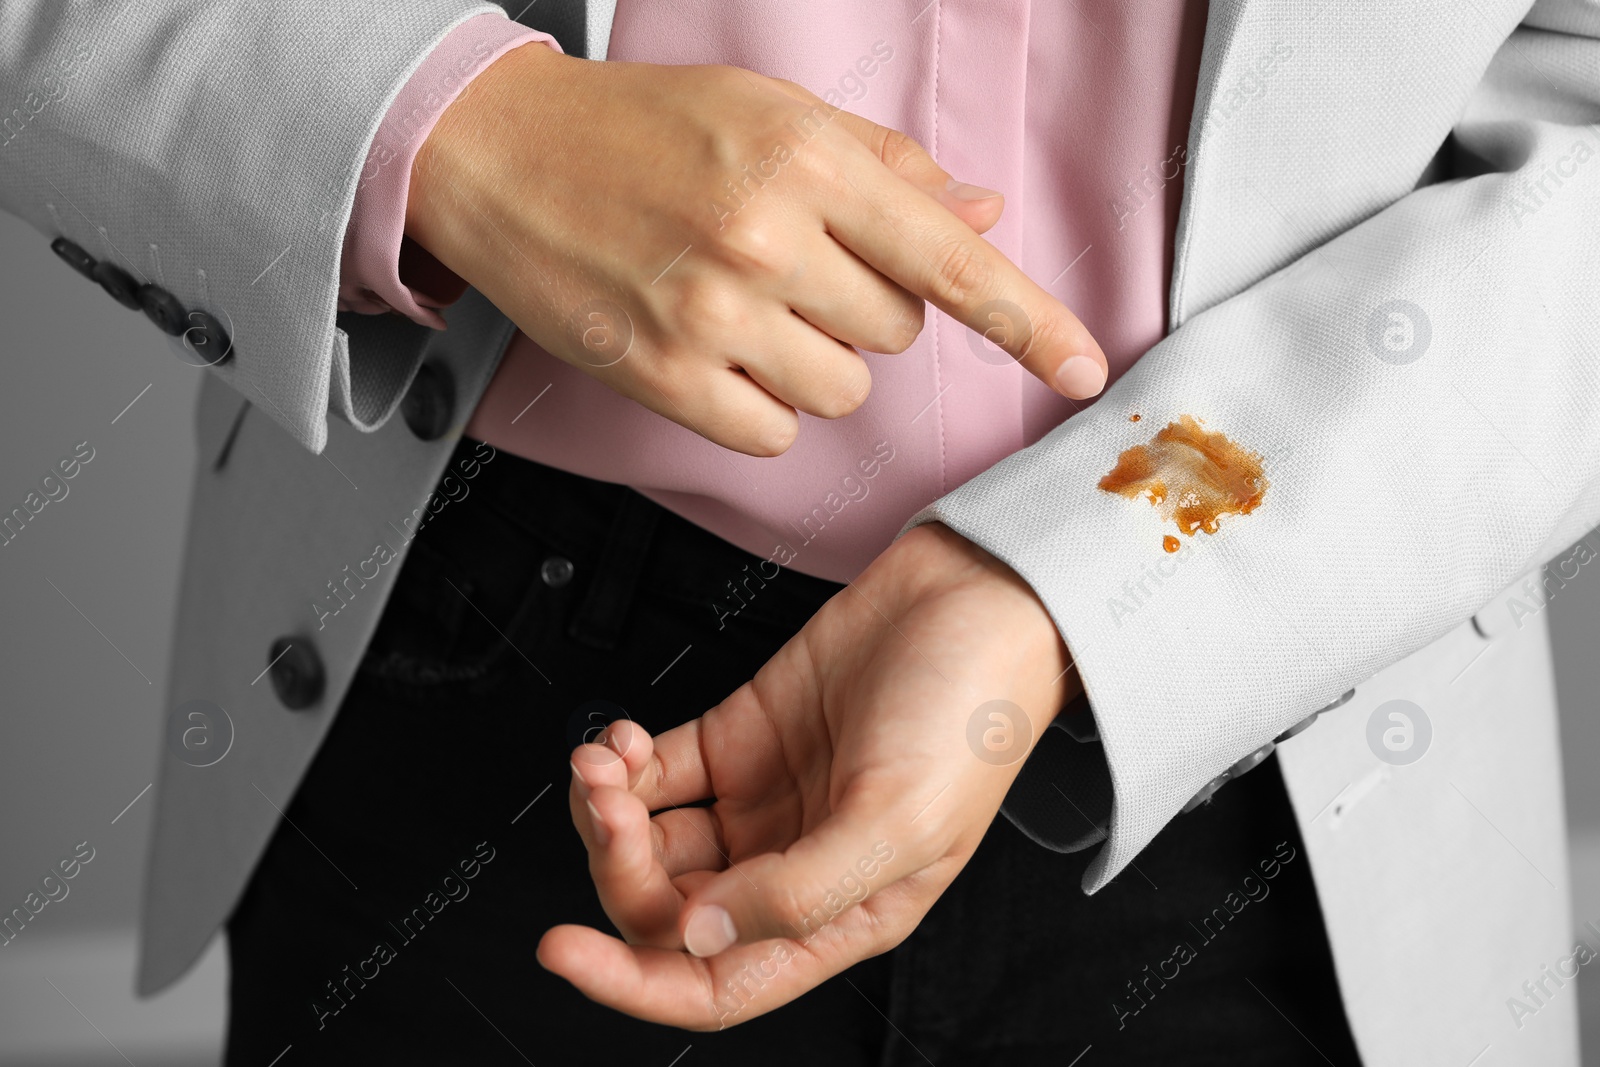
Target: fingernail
x=578, y=783
x=967, y=191
x=602, y=832
x=1080, y=377
x=710, y=930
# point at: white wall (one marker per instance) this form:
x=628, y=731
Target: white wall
x=79, y=723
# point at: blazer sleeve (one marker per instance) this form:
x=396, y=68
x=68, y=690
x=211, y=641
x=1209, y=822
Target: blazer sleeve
x=213, y=149
x=1425, y=390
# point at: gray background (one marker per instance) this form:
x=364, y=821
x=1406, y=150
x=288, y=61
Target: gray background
x=82, y=709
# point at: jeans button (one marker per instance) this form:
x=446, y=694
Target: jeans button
x=556, y=571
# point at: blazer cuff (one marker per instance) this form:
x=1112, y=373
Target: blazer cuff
x=1163, y=642
x=221, y=168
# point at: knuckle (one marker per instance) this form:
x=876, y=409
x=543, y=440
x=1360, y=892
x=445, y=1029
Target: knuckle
x=901, y=338
x=794, y=89
x=899, y=150
x=773, y=436
x=709, y=307
x=754, y=244
x=852, y=391
x=813, y=159
x=888, y=935
x=1055, y=332
x=960, y=269
x=905, y=326
x=787, y=912
x=725, y=76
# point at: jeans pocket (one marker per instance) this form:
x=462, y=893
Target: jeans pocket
x=462, y=597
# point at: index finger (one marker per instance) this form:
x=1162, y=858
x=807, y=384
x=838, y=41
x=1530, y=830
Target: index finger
x=920, y=245
x=673, y=770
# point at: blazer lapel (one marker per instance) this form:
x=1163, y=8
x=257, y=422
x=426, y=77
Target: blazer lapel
x=1295, y=136
x=1228, y=34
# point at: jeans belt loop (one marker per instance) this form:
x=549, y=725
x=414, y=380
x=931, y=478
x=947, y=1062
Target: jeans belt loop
x=599, y=619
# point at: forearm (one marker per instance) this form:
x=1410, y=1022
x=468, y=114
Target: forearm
x=1415, y=465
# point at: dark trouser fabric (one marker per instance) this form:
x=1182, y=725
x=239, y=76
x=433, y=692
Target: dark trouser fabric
x=395, y=920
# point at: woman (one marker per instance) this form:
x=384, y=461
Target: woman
x=610, y=576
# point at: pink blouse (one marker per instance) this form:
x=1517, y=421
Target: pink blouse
x=1077, y=112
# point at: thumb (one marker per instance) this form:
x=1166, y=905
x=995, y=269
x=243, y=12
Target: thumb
x=794, y=894
x=974, y=205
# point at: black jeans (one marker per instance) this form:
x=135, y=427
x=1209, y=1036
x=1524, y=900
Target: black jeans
x=395, y=921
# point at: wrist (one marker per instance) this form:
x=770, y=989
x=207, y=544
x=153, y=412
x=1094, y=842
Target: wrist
x=936, y=560
x=454, y=174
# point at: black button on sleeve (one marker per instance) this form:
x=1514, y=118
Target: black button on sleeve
x=75, y=257
x=297, y=675
x=206, y=340
x=162, y=308
x=429, y=404
x=118, y=283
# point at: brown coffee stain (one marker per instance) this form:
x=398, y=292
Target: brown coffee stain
x=1135, y=417
x=1194, y=476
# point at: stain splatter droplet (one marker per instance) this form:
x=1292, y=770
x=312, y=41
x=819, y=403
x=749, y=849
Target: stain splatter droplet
x=1194, y=476
x=1135, y=417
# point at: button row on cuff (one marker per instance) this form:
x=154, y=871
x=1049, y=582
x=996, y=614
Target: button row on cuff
x=203, y=333
x=1256, y=758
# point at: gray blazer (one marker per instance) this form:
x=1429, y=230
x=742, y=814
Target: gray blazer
x=1384, y=275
